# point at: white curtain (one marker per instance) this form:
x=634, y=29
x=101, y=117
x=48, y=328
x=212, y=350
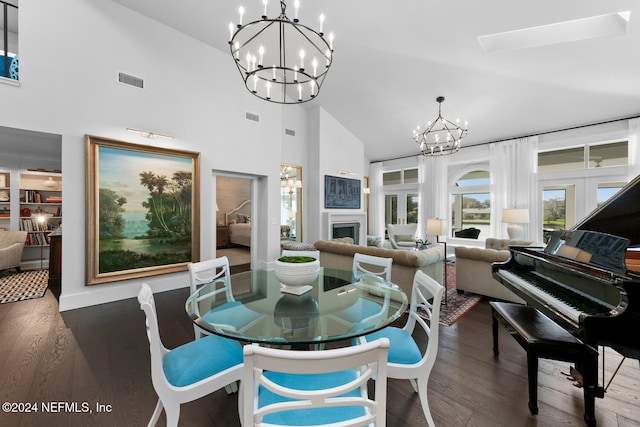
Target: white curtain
x=424, y=195
x=634, y=148
x=376, y=199
x=514, y=184
x=434, y=190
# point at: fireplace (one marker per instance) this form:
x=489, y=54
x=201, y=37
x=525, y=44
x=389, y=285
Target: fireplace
x=346, y=229
x=351, y=224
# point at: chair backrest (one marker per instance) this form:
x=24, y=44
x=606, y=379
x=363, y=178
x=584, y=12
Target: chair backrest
x=210, y=271
x=426, y=294
x=383, y=265
x=312, y=254
x=156, y=348
x=401, y=232
x=277, y=382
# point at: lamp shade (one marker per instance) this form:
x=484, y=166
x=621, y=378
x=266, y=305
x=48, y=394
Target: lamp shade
x=515, y=216
x=436, y=227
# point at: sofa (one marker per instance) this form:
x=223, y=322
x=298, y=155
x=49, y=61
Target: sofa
x=473, y=268
x=338, y=253
x=11, y=246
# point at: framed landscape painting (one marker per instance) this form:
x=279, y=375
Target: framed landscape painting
x=142, y=211
x=341, y=193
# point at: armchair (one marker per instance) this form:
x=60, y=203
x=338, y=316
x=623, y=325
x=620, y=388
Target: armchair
x=11, y=246
x=402, y=236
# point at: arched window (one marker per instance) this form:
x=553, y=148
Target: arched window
x=471, y=205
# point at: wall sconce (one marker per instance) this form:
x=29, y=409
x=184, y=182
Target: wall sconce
x=149, y=134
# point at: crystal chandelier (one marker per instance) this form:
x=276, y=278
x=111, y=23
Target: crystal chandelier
x=281, y=60
x=441, y=136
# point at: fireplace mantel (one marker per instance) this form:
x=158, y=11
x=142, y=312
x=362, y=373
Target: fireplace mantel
x=334, y=218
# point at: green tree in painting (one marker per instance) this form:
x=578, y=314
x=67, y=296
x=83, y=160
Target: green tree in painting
x=111, y=221
x=168, y=205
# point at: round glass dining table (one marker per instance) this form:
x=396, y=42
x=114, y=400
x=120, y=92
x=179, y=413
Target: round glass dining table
x=257, y=310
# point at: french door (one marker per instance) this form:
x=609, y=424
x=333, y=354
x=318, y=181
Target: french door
x=401, y=207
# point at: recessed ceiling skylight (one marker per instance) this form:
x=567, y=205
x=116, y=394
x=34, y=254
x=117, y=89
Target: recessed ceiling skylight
x=614, y=24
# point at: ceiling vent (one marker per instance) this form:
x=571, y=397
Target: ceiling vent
x=130, y=80
x=290, y=132
x=252, y=116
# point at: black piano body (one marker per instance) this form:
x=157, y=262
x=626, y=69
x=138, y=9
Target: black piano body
x=581, y=280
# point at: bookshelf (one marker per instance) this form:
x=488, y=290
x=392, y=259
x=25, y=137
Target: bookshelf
x=5, y=200
x=40, y=210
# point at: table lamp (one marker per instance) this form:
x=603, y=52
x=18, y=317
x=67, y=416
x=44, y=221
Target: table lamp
x=515, y=217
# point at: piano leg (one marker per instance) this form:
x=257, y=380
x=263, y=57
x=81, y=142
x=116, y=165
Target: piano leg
x=589, y=370
x=532, y=372
x=496, y=352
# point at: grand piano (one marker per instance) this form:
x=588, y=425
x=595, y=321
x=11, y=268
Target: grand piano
x=587, y=279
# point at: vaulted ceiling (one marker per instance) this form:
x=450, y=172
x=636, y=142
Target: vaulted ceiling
x=393, y=58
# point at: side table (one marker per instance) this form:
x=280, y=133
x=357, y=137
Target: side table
x=222, y=236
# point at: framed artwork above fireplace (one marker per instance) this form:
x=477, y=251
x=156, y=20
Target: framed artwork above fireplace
x=341, y=193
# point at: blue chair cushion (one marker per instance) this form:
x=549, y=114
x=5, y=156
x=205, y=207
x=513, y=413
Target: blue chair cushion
x=201, y=359
x=314, y=416
x=403, y=349
x=232, y=313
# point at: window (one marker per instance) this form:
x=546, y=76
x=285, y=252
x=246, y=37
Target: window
x=401, y=200
x=471, y=203
x=599, y=155
x=567, y=159
x=616, y=154
x=9, y=39
x=404, y=176
x=608, y=190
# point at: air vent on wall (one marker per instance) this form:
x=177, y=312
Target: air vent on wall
x=290, y=132
x=252, y=116
x=131, y=80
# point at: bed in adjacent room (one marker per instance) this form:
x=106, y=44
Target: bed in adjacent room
x=239, y=223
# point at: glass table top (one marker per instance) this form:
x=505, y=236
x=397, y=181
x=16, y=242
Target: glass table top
x=258, y=311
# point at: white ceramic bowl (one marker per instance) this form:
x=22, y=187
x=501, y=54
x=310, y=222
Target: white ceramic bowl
x=297, y=274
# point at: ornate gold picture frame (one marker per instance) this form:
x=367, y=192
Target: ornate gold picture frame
x=143, y=213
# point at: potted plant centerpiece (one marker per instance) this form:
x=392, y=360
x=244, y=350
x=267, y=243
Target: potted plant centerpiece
x=297, y=270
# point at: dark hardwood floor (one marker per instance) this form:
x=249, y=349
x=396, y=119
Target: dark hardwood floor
x=100, y=355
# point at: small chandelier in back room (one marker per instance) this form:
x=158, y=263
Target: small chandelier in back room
x=441, y=136
x=281, y=60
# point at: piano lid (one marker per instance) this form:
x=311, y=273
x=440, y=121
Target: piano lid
x=618, y=216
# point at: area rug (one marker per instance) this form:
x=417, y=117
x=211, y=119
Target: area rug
x=22, y=286
x=457, y=305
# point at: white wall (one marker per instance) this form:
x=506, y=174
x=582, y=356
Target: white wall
x=332, y=148
x=68, y=86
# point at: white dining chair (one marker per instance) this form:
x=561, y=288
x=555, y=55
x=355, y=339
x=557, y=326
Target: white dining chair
x=190, y=371
x=406, y=361
x=312, y=254
x=362, y=266
x=231, y=313
x=362, y=271
x=313, y=388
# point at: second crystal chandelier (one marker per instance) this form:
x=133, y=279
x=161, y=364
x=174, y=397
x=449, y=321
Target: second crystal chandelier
x=281, y=60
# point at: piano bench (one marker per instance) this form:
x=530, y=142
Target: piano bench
x=541, y=337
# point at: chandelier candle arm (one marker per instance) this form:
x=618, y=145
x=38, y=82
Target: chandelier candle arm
x=287, y=45
x=441, y=136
